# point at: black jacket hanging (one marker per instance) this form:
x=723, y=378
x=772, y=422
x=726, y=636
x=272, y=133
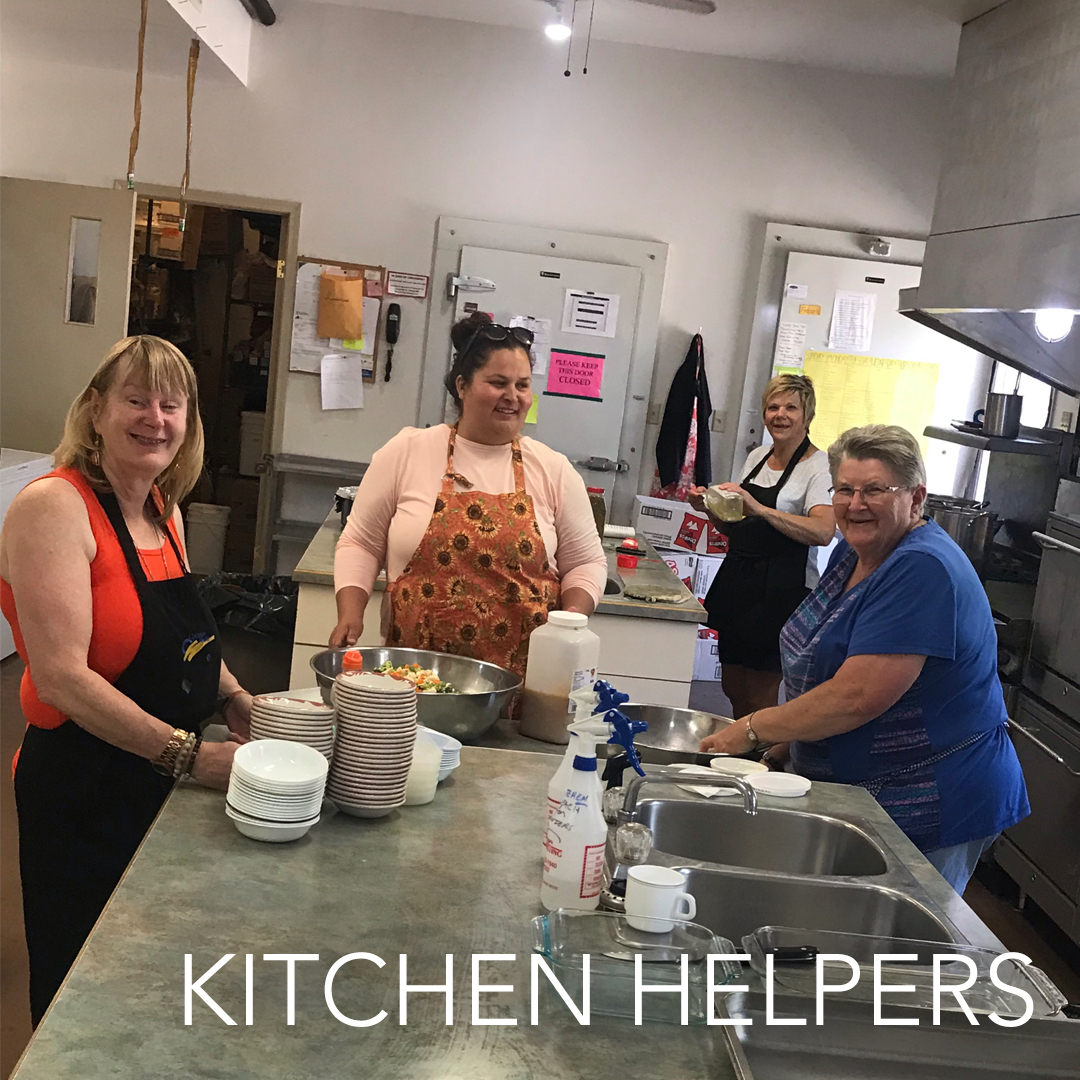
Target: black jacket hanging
x=689, y=386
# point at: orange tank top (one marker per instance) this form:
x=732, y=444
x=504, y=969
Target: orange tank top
x=117, y=614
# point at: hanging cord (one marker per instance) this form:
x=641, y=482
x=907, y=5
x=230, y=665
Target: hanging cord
x=570, y=40
x=133, y=146
x=192, y=67
x=588, y=38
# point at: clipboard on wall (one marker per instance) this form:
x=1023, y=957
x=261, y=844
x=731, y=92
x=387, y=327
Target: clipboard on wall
x=306, y=348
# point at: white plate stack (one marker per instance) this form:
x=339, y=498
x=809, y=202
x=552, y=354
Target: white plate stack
x=295, y=717
x=276, y=789
x=376, y=732
x=451, y=751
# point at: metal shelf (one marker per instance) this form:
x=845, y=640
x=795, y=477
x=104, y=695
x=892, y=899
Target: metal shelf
x=1025, y=444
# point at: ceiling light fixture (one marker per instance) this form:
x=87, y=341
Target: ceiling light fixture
x=558, y=28
x=1053, y=324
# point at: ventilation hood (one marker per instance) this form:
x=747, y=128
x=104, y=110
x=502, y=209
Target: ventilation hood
x=1005, y=238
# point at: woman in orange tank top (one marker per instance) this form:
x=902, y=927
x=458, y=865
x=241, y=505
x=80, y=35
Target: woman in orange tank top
x=122, y=660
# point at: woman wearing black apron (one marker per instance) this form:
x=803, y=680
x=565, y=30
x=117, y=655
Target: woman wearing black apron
x=123, y=662
x=764, y=577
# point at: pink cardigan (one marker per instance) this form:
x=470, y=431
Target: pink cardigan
x=393, y=506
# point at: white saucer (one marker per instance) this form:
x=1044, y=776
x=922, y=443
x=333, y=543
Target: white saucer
x=783, y=785
x=735, y=766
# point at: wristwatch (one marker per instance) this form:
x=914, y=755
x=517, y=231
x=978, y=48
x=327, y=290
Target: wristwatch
x=165, y=762
x=750, y=733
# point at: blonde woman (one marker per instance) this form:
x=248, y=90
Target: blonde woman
x=123, y=664
x=771, y=563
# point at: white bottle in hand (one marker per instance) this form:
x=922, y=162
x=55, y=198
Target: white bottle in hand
x=576, y=831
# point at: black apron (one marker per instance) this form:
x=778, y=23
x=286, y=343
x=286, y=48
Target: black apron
x=85, y=805
x=760, y=583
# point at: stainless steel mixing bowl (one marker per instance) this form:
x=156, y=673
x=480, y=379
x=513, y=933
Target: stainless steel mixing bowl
x=674, y=734
x=486, y=690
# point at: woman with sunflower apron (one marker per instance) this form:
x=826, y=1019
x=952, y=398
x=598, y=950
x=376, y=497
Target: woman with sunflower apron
x=482, y=532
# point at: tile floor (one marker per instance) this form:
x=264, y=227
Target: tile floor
x=262, y=665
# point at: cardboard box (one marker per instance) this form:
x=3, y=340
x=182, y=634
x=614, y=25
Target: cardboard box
x=707, y=658
x=668, y=524
x=704, y=572
x=222, y=232
x=241, y=493
x=683, y=565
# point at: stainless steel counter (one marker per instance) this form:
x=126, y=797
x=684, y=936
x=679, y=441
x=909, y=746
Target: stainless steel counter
x=316, y=567
x=460, y=876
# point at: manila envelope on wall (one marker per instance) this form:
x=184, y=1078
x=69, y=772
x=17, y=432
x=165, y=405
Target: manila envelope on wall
x=341, y=303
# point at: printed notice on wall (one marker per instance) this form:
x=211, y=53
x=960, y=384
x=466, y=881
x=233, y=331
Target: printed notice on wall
x=590, y=313
x=575, y=375
x=852, y=321
x=790, y=345
x=541, y=346
x=342, y=381
x=307, y=349
x=401, y=284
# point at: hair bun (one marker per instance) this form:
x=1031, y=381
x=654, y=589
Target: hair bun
x=464, y=329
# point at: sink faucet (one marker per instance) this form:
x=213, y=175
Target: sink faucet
x=628, y=812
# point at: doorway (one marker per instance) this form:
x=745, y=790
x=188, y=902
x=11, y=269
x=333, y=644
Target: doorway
x=211, y=291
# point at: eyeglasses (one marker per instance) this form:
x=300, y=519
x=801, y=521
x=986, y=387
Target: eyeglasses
x=870, y=493
x=497, y=332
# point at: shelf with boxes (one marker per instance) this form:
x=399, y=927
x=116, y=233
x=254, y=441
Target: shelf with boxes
x=695, y=550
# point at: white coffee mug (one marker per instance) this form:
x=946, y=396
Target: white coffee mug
x=656, y=895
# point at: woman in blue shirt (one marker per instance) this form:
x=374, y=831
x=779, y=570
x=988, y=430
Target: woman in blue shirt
x=893, y=660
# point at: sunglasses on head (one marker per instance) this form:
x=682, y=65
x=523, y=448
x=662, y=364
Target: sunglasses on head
x=496, y=332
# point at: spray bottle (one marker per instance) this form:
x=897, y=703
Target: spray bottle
x=576, y=834
x=601, y=697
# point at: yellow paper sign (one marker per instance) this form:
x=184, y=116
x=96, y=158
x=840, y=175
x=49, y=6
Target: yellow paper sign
x=355, y=344
x=809, y=309
x=853, y=390
x=533, y=409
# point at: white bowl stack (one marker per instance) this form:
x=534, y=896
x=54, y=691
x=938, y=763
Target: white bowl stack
x=295, y=717
x=376, y=732
x=451, y=751
x=276, y=789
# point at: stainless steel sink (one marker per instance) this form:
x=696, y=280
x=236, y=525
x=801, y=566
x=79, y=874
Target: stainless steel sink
x=783, y=840
x=734, y=904
x=848, y=1046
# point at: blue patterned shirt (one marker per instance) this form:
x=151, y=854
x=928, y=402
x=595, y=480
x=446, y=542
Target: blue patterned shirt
x=939, y=760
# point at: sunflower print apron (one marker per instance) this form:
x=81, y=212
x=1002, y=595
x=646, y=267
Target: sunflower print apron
x=479, y=582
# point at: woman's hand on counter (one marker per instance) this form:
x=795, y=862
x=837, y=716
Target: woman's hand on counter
x=213, y=766
x=351, y=602
x=575, y=599
x=237, y=714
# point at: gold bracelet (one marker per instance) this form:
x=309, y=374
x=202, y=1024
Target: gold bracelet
x=166, y=760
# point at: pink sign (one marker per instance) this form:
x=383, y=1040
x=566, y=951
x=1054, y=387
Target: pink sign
x=575, y=374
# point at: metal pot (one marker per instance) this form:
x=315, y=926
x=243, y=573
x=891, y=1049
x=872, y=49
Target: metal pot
x=1001, y=417
x=971, y=524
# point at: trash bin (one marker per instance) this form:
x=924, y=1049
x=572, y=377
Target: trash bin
x=259, y=603
x=205, y=530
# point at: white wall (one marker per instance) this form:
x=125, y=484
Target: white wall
x=378, y=123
